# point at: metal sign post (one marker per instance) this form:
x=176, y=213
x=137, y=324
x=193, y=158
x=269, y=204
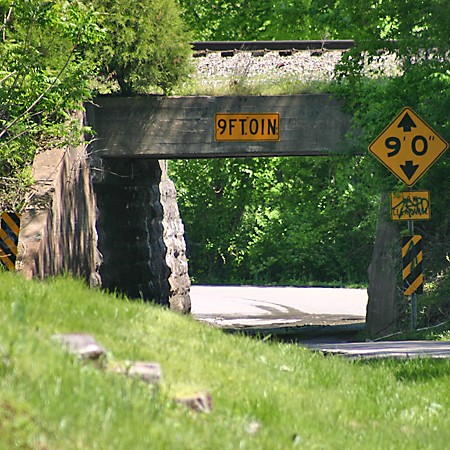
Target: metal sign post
x=408, y=147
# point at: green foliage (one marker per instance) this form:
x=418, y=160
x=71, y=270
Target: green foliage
x=240, y=83
x=277, y=220
x=434, y=306
x=317, y=222
x=51, y=52
x=249, y=20
x=146, y=47
x=417, y=33
x=42, y=78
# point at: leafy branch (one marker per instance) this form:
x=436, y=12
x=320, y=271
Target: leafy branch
x=25, y=114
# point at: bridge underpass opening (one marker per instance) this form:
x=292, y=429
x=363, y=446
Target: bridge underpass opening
x=272, y=221
x=134, y=133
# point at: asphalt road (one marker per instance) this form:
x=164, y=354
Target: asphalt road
x=385, y=349
x=292, y=309
x=251, y=306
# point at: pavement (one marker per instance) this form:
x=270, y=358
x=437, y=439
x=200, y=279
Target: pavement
x=385, y=349
x=277, y=307
x=323, y=320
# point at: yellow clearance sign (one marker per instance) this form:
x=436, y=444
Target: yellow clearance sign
x=408, y=147
x=247, y=127
x=412, y=205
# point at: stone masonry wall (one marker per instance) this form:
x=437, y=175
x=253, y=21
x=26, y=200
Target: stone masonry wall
x=175, y=243
x=141, y=236
x=133, y=242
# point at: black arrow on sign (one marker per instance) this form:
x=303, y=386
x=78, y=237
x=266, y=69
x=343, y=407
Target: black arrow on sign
x=409, y=169
x=406, y=123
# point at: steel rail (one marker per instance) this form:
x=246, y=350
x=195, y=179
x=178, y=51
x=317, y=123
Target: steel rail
x=220, y=46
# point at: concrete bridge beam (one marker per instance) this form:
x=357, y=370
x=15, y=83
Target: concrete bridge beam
x=184, y=127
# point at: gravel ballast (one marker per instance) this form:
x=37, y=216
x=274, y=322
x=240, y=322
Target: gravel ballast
x=214, y=71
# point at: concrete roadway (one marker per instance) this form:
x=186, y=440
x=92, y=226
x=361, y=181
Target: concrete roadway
x=251, y=306
x=291, y=310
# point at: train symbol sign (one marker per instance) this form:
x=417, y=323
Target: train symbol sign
x=408, y=147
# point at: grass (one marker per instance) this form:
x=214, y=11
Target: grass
x=286, y=85
x=266, y=395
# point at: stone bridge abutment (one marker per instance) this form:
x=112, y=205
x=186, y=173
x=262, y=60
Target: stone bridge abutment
x=140, y=233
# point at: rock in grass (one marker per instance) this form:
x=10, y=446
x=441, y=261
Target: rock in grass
x=150, y=372
x=200, y=402
x=82, y=345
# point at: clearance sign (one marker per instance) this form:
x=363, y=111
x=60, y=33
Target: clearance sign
x=247, y=127
x=408, y=146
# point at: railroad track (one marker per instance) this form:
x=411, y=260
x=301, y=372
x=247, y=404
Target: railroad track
x=259, y=48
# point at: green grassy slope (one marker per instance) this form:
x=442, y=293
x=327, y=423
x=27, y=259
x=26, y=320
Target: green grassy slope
x=266, y=395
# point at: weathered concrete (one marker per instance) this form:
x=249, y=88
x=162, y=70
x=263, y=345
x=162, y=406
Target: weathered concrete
x=382, y=291
x=149, y=372
x=183, y=127
x=58, y=232
x=132, y=236
x=82, y=345
x=199, y=402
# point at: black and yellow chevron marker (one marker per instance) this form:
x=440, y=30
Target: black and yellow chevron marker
x=412, y=264
x=9, y=238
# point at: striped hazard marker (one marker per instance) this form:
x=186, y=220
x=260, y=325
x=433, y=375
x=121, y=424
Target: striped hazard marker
x=9, y=238
x=412, y=265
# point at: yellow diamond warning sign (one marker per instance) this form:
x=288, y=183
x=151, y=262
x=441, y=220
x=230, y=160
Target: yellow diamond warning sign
x=408, y=147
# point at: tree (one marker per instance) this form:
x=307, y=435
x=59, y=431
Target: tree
x=42, y=78
x=51, y=52
x=147, y=46
x=416, y=33
x=276, y=220
x=248, y=20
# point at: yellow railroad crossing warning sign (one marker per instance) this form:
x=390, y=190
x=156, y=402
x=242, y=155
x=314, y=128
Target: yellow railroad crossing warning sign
x=408, y=147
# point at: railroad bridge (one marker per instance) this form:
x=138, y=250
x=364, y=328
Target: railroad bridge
x=108, y=212
x=133, y=136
